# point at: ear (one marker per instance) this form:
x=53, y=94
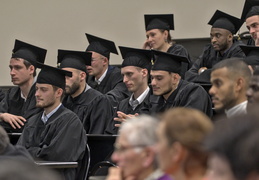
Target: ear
x=240, y=83
x=149, y=156
x=144, y=72
x=31, y=69
x=230, y=37
x=59, y=92
x=82, y=76
x=105, y=60
x=179, y=153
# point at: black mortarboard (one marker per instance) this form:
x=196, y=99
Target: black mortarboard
x=251, y=8
x=159, y=21
x=168, y=62
x=74, y=59
x=225, y=21
x=29, y=52
x=52, y=75
x=136, y=57
x=101, y=46
x=252, y=54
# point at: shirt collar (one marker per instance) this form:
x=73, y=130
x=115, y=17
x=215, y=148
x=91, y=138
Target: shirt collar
x=237, y=110
x=102, y=77
x=141, y=98
x=47, y=116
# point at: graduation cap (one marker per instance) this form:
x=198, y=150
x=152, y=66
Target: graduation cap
x=29, y=52
x=168, y=62
x=252, y=54
x=225, y=21
x=159, y=21
x=251, y=8
x=136, y=57
x=74, y=59
x=101, y=46
x=52, y=75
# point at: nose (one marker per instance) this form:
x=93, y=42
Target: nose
x=153, y=82
x=125, y=79
x=12, y=72
x=115, y=157
x=213, y=39
x=252, y=30
x=212, y=91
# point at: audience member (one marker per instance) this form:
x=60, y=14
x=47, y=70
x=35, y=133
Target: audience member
x=135, y=152
x=158, y=28
x=252, y=56
x=253, y=91
x=103, y=77
x=19, y=102
x=234, y=148
x=223, y=45
x=230, y=79
x=57, y=134
x=250, y=15
x=171, y=90
x=135, y=70
x=180, y=136
x=92, y=107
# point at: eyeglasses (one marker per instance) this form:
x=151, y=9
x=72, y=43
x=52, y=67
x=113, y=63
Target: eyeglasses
x=119, y=148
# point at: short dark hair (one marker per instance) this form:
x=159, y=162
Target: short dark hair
x=236, y=67
x=236, y=140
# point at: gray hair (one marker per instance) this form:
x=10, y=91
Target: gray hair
x=140, y=130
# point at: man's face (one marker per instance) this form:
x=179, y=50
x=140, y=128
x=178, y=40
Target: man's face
x=220, y=39
x=162, y=82
x=252, y=24
x=20, y=74
x=253, y=91
x=97, y=65
x=46, y=96
x=219, y=169
x=72, y=83
x=222, y=89
x=128, y=157
x=133, y=77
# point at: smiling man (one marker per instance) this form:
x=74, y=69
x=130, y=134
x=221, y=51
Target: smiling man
x=222, y=46
x=229, y=80
x=171, y=90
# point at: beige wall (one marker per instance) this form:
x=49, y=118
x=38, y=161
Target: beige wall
x=61, y=24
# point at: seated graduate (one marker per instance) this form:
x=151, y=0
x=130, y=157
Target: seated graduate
x=19, y=103
x=135, y=151
x=135, y=70
x=171, y=90
x=158, y=28
x=103, y=77
x=230, y=79
x=252, y=56
x=2, y=95
x=56, y=134
x=233, y=145
x=11, y=152
x=92, y=107
x=180, y=135
x=223, y=45
x=250, y=15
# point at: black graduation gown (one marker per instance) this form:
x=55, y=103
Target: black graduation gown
x=178, y=49
x=126, y=108
x=62, y=138
x=92, y=108
x=14, y=104
x=186, y=95
x=208, y=59
x=112, y=85
x=2, y=94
